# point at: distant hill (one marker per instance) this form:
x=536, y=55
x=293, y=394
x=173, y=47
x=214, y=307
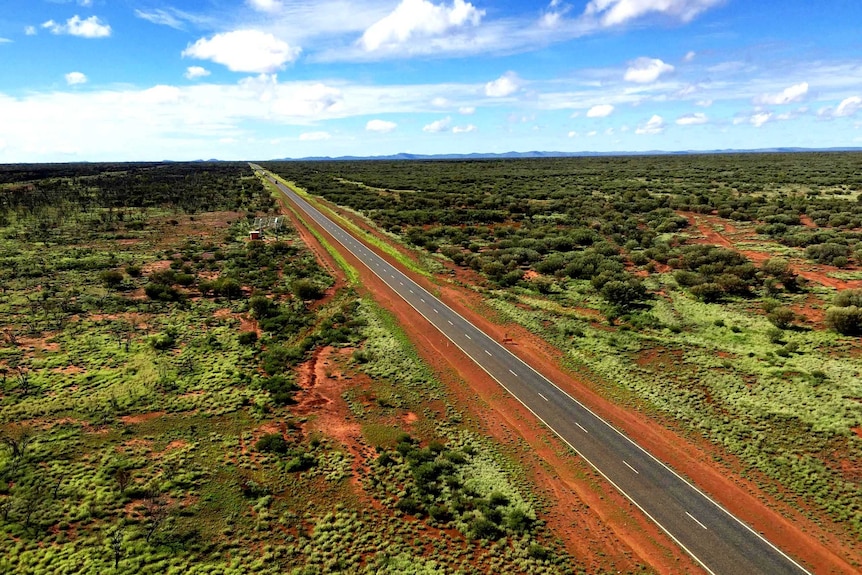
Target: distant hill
x=537, y=154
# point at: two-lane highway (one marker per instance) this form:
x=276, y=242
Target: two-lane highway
x=720, y=542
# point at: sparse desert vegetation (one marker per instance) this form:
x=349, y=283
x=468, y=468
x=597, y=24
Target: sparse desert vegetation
x=178, y=398
x=716, y=292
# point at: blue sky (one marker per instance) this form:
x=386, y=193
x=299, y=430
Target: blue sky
x=257, y=79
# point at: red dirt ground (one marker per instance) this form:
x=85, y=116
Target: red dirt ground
x=597, y=524
x=708, y=226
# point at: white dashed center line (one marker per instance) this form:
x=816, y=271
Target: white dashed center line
x=630, y=467
x=542, y=396
x=584, y=429
x=513, y=373
x=693, y=518
x=488, y=352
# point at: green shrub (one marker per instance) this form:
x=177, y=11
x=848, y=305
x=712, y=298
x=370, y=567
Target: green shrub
x=111, y=278
x=845, y=320
x=272, y=443
x=307, y=290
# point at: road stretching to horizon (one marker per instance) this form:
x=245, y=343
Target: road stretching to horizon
x=715, y=538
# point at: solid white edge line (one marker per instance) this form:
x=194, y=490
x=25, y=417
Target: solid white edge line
x=636, y=504
x=630, y=467
x=693, y=518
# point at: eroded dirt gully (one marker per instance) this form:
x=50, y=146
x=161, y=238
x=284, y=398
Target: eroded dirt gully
x=598, y=525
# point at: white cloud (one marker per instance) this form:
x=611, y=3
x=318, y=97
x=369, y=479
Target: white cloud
x=505, y=85
x=573, y=134
x=600, y=111
x=90, y=27
x=418, y=19
x=438, y=125
x=792, y=94
x=269, y=6
x=689, y=56
x=849, y=106
x=704, y=103
x=654, y=125
x=380, y=126
x=244, y=51
x=756, y=119
x=692, y=119
x=464, y=129
x=4, y=40
x=314, y=136
x=760, y=118
x=160, y=17
x=73, y=78
x=616, y=12
x=30, y=30
x=467, y=110
x=646, y=70
x=195, y=72
x=592, y=133
x=85, y=3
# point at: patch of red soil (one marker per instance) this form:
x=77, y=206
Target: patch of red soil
x=141, y=417
x=410, y=417
x=70, y=370
x=322, y=381
x=817, y=273
x=807, y=221
x=618, y=529
x=157, y=266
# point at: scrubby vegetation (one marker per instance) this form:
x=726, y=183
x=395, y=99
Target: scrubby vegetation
x=625, y=264
x=149, y=369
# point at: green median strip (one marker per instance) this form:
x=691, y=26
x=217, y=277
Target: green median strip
x=349, y=270
x=353, y=228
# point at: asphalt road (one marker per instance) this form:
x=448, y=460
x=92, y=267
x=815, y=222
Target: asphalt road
x=720, y=542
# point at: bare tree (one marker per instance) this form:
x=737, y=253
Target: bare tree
x=17, y=439
x=156, y=510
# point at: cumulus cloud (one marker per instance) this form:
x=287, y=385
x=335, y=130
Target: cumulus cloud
x=414, y=19
x=464, y=129
x=573, y=134
x=467, y=110
x=505, y=85
x=314, y=136
x=788, y=95
x=689, y=56
x=269, y=6
x=692, y=119
x=30, y=30
x=616, y=12
x=849, y=106
x=195, y=72
x=244, y=51
x=600, y=111
x=90, y=27
x=756, y=119
x=73, y=78
x=380, y=126
x=645, y=70
x=654, y=125
x=436, y=126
